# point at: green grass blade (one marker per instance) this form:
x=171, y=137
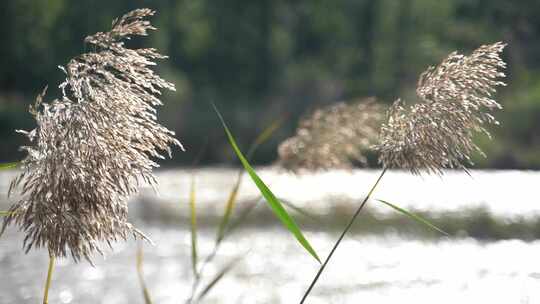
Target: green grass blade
x=5, y=166
x=4, y=213
x=274, y=203
x=193, y=222
x=231, y=202
x=242, y=217
x=140, y=259
x=233, y=195
x=414, y=217
x=216, y=279
x=299, y=210
x=265, y=135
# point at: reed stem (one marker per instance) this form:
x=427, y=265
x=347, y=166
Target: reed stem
x=49, y=279
x=349, y=225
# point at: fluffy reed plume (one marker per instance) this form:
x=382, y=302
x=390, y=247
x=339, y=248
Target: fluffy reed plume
x=437, y=133
x=92, y=148
x=456, y=101
x=332, y=137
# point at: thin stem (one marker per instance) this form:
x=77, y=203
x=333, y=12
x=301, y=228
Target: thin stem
x=193, y=215
x=198, y=279
x=212, y=255
x=349, y=225
x=49, y=278
x=140, y=274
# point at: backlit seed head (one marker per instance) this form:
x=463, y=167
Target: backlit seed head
x=332, y=137
x=456, y=102
x=92, y=147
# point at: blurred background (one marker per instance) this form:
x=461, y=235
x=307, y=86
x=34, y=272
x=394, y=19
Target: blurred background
x=259, y=60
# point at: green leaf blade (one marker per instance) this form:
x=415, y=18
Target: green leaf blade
x=222, y=273
x=265, y=135
x=5, y=166
x=414, y=217
x=231, y=202
x=273, y=202
x=233, y=195
x=193, y=225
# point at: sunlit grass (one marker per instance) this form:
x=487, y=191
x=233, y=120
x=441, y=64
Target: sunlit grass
x=5, y=166
x=272, y=200
x=193, y=226
x=226, y=226
x=413, y=216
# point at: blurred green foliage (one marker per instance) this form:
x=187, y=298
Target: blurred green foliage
x=261, y=59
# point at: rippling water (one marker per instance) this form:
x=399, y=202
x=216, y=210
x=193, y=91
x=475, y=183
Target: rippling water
x=384, y=268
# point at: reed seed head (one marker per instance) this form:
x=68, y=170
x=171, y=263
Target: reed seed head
x=456, y=102
x=332, y=137
x=92, y=147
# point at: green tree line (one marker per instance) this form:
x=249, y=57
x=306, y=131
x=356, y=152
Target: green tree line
x=263, y=59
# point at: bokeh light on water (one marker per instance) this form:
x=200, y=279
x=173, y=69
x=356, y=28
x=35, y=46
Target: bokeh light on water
x=384, y=269
x=387, y=267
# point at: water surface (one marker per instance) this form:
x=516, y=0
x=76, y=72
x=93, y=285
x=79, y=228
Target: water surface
x=387, y=267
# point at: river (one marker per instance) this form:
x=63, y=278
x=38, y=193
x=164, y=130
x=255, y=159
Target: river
x=388, y=263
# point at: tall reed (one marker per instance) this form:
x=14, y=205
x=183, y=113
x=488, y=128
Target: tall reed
x=437, y=133
x=334, y=136
x=226, y=225
x=92, y=147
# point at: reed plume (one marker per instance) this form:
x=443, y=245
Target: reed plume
x=456, y=102
x=333, y=137
x=92, y=147
x=437, y=133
